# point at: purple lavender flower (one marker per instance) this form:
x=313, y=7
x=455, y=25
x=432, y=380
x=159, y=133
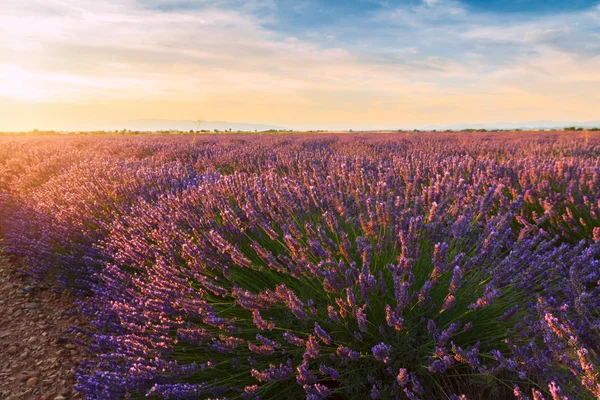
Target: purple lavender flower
x=329, y=371
x=180, y=250
x=382, y=352
x=346, y=354
x=375, y=393
x=305, y=377
x=488, y=298
x=313, y=350
x=316, y=391
x=282, y=372
x=260, y=322
x=293, y=339
x=321, y=334
x=455, y=282
x=402, y=377
x=361, y=318
x=333, y=314
x=448, y=302
x=392, y=319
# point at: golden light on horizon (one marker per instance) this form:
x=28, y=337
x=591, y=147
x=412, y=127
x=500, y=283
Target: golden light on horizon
x=71, y=63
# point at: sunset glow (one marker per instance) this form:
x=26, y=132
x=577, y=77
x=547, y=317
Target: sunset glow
x=70, y=64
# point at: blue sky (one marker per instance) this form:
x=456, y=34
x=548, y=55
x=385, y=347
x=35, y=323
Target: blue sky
x=302, y=64
x=299, y=15
x=358, y=7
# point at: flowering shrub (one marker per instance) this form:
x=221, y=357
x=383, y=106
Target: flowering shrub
x=322, y=267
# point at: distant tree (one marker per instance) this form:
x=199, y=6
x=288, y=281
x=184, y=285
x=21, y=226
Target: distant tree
x=570, y=128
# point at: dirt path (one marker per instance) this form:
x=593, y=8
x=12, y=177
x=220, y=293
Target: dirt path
x=36, y=357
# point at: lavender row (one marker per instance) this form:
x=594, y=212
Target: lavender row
x=360, y=266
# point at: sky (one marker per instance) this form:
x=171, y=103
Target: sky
x=301, y=64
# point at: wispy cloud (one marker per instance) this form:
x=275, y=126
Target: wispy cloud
x=429, y=62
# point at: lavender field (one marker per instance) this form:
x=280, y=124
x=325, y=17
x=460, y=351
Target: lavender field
x=350, y=266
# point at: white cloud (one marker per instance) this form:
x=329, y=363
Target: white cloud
x=430, y=3
x=117, y=50
x=410, y=60
x=188, y=52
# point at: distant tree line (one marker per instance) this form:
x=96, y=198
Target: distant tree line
x=572, y=128
x=36, y=132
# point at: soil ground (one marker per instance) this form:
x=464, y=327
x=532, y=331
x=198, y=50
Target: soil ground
x=36, y=353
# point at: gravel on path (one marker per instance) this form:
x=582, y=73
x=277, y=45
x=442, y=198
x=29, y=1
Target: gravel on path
x=36, y=354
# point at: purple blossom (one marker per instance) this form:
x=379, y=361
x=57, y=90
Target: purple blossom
x=282, y=372
x=402, y=377
x=333, y=314
x=346, y=354
x=313, y=350
x=375, y=393
x=180, y=248
x=392, y=319
x=361, y=318
x=316, y=391
x=329, y=371
x=321, y=334
x=293, y=339
x=455, y=282
x=449, y=302
x=487, y=299
x=260, y=322
x=304, y=376
x=382, y=352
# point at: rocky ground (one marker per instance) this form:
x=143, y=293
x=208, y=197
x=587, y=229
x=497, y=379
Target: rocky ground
x=36, y=354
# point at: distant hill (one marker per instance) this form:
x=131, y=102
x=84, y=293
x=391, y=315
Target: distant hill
x=187, y=125
x=521, y=125
x=183, y=125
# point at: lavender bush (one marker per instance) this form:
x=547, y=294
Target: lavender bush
x=362, y=266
